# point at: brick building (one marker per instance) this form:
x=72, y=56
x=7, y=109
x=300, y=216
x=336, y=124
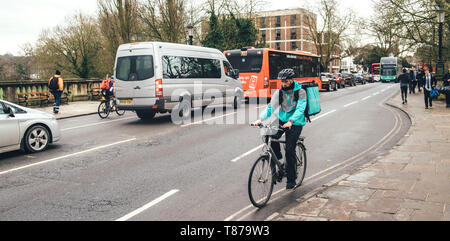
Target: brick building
x=286, y=29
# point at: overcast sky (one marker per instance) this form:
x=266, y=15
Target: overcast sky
x=21, y=21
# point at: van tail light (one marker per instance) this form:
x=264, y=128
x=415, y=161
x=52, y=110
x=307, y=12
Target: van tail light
x=266, y=82
x=159, y=88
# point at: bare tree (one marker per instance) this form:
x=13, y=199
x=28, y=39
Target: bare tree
x=328, y=36
x=164, y=20
x=72, y=48
x=118, y=23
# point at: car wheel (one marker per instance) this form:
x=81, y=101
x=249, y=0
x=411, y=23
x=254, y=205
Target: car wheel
x=36, y=139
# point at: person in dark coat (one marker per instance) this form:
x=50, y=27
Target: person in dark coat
x=446, y=80
x=413, y=83
x=405, y=81
x=420, y=79
x=429, y=85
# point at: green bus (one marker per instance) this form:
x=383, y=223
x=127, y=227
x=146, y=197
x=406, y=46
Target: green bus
x=391, y=68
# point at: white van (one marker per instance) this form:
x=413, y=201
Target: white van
x=154, y=77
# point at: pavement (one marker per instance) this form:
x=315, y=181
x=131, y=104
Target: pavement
x=409, y=183
x=73, y=109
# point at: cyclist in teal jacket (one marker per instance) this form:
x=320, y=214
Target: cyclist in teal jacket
x=291, y=117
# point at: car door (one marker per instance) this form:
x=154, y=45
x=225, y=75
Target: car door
x=9, y=128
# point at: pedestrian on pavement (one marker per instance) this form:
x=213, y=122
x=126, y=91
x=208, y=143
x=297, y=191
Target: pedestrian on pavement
x=413, y=78
x=446, y=80
x=56, y=87
x=430, y=84
x=405, y=81
x=420, y=81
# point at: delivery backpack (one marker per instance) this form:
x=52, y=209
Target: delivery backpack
x=54, y=84
x=312, y=99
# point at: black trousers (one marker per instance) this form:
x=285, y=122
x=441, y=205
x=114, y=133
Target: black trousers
x=428, y=99
x=404, y=92
x=292, y=136
x=412, y=87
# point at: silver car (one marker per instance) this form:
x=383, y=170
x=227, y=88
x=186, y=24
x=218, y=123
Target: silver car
x=26, y=129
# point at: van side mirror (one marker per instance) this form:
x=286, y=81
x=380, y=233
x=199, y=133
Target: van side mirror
x=235, y=74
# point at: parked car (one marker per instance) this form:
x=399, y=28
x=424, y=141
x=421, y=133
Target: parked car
x=368, y=77
x=328, y=81
x=154, y=77
x=349, y=79
x=360, y=79
x=26, y=129
x=340, y=80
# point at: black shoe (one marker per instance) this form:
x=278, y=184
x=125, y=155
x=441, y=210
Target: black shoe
x=290, y=185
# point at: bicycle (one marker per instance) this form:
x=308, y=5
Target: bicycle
x=268, y=170
x=108, y=105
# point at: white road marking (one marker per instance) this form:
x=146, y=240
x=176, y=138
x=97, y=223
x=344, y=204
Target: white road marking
x=247, y=153
x=199, y=122
x=66, y=156
x=347, y=105
x=366, y=98
x=147, y=206
x=260, y=146
x=99, y=123
x=323, y=115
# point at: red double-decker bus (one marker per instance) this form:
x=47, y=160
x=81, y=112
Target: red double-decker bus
x=259, y=68
x=376, y=71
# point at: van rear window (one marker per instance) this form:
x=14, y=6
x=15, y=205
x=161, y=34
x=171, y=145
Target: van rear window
x=135, y=68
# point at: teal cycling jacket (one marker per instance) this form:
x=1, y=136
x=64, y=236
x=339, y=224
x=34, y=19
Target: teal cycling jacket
x=289, y=109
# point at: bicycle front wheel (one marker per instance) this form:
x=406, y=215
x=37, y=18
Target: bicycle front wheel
x=301, y=163
x=261, y=181
x=119, y=112
x=103, y=110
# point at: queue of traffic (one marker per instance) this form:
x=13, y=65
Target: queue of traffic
x=155, y=77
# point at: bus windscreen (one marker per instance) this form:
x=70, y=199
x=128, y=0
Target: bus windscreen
x=376, y=70
x=251, y=62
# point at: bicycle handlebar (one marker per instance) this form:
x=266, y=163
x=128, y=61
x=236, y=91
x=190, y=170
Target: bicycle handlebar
x=261, y=125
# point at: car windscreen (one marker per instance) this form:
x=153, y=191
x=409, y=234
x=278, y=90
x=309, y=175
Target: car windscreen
x=135, y=68
x=249, y=63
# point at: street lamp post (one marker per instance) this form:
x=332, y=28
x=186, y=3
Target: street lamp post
x=191, y=33
x=440, y=64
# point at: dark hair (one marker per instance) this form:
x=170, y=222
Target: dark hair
x=58, y=72
x=404, y=71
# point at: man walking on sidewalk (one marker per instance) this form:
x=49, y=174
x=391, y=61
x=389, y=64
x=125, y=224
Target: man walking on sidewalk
x=404, y=80
x=446, y=80
x=56, y=87
x=430, y=83
x=413, y=79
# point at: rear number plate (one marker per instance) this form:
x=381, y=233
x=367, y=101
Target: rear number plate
x=126, y=102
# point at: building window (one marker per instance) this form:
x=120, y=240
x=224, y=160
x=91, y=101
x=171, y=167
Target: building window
x=293, y=20
x=263, y=34
x=293, y=34
x=278, y=34
x=278, y=46
x=278, y=21
x=262, y=22
x=294, y=46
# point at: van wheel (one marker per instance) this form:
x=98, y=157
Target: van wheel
x=146, y=115
x=181, y=112
x=237, y=103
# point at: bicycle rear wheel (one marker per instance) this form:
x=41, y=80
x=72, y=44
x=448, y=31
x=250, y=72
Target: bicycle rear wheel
x=301, y=163
x=261, y=182
x=103, y=110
